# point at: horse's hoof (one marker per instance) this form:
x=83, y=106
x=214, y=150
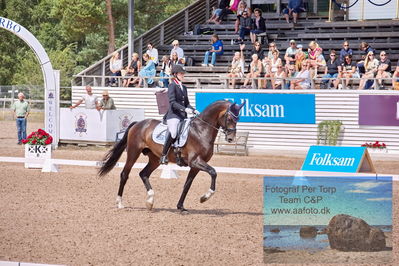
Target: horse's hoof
x=120, y=206
x=207, y=195
x=203, y=199
x=184, y=211
x=149, y=203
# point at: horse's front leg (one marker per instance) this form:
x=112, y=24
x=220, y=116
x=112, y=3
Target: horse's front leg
x=204, y=166
x=190, y=177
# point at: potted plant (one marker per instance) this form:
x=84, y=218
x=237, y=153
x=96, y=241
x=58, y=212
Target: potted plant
x=328, y=132
x=37, y=146
x=376, y=146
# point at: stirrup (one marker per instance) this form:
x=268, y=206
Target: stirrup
x=163, y=159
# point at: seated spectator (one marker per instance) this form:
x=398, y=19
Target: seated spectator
x=384, y=70
x=153, y=53
x=395, y=78
x=216, y=50
x=257, y=49
x=289, y=56
x=271, y=67
x=294, y=8
x=106, y=103
x=345, y=51
x=370, y=66
x=299, y=57
x=272, y=48
x=278, y=78
x=166, y=71
x=180, y=53
x=237, y=67
x=314, y=52
x=255, y=71
x=242, y=7
x=302, y=78
x=147, y=73
x=245, y=26
x=175, y=59
x=115, y=65
x=347, y=70
x=132, y=70
x=258, y=25
x=220, y=13
x=365, y=49
x=331, y=71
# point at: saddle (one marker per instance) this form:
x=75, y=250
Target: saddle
x=159, y=136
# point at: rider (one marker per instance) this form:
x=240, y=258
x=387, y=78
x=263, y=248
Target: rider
x=179, y=107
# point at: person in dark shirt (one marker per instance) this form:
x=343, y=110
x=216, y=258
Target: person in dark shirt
x=294, y=8
x=257, y=49
x=245, y=26
x=384, y=69
x=331, y=70
x=220, y=13
x=345, y=51
x=365, y=49
x=258, y=25
x=347, y=70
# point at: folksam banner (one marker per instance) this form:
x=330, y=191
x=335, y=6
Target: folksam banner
x=337, y=159
x=266, y=108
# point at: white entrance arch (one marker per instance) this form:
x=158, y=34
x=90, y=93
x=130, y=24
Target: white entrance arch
x=51, y=77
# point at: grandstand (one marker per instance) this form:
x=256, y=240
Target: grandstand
x=380, y=34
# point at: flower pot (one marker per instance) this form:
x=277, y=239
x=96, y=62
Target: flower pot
x=377, y=150
x=38, y=152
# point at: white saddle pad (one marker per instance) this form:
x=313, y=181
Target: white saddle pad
x=159, y=134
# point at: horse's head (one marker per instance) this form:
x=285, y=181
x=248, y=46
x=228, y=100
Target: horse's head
x=229, y=120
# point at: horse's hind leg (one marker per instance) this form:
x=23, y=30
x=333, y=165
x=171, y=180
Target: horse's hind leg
x=131, y=159
x=153, y=164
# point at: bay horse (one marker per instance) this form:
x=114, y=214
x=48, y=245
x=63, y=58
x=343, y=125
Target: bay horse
x=195, y=154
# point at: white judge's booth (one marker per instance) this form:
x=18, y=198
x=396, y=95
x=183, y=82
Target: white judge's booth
x=90, y=125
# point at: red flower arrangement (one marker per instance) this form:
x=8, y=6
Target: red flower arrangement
x=39, y=137
x=375, y=145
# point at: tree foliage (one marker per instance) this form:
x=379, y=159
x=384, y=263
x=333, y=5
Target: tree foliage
x=73, y=33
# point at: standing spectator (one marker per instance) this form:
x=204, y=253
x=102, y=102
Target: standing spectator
x=148, y=71
x=257, y=49
x=153, y=53
x=384, y=69
x=245, y=26
x=370, y=66
x=21, y=110
x=302, y=81
x=115, y=65
x=216, y=49
x=237, y=67
x=278, y=78
x=258, y=25
x=89, y=98
x=365, y=48
x=347, y=70
x=294, y=8
x=395, y=78
x=242, y=7
x=220, y=13
x=331, y=70
x=132, y=70
x=176, y=48
x=345, y=51
x=289, y=56
x=255, y=70
x=106, y=103
x=166, y=71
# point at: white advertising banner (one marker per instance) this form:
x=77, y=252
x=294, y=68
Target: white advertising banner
x=90, y=125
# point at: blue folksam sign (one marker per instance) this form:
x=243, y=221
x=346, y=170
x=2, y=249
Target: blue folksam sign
x=265, y=107
x=337, y=159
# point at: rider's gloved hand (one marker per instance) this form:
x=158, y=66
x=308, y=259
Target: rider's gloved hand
x=196, y=112
x=188, y=111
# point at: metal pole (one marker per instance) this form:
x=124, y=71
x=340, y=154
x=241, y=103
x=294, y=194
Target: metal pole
x=330, y=11
x=131, y=31
x=362, y=10
x=397, y=10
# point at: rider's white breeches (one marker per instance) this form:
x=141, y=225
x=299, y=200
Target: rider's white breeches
x=172, y=126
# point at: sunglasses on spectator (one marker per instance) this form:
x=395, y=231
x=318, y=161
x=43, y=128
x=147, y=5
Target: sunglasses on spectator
x=332, y=54
x=371, y=54
x=257, y=44
x=292, y=43
x=105, y=95
x=346, y=44
x=271, y=45
x=382, y=54
x=279, y=67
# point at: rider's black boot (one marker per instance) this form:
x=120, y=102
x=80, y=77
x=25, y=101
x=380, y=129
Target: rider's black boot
x=168, y=142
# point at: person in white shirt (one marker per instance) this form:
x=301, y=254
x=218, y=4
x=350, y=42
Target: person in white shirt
x=177, y=49
x=91, y=100
x=153, y=53
x=115, y=65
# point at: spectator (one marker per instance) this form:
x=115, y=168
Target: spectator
x=314, y=52
x=132, y=70
x=331, y=71
x=365, y=48
x=276, y=61
x=257, y=49
x=294, y=8
x=302, y=81
x=166, y=71
x=115, y=65
x=384, y=70
x=216, y=49
x=267, y=60
x=153, y=53
x=255, y=70
x=176, y=48
x=278, y=78
x=21, y=111
x=175, y=59
x=235, y=5
x=272, y=48
x=242, y=7
x=347, y=70
x=148, y=71
x=345, y=51
x=299, y=57
x=237, y=67
x=258, y=25
x=245, y=26
x=395, y=78
x=89, y=98
x=289, y=56
x=106, y=103
x=371, y=67
x=220, y=12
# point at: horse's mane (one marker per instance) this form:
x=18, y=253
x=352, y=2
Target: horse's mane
x=215, y=107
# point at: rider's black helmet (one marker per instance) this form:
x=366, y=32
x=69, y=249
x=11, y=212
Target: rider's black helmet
x=178, y=69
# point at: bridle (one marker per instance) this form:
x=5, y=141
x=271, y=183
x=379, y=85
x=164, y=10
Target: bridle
x=225, y=130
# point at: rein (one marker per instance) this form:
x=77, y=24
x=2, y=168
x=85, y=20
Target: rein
x=224, y=130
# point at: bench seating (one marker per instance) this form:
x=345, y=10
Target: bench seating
x=237, y=147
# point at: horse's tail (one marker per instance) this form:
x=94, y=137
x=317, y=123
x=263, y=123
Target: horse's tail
x=112, y=157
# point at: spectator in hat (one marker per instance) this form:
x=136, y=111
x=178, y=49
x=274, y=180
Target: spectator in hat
x=106, y=103
x=289, y=56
